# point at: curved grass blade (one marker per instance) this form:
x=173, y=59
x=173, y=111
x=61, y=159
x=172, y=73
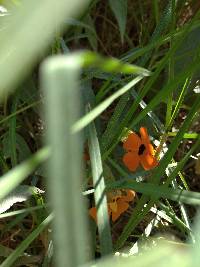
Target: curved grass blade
x=38, y=17
x=14, y=177
x=110, y=65
x=22, y=211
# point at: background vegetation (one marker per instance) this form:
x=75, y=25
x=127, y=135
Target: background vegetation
x=74, y=77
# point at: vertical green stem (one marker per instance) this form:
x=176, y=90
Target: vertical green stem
x=60, y=83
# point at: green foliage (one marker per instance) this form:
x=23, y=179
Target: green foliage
x=153, y=92
x=119, y=9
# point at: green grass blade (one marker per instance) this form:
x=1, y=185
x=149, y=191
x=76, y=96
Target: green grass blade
x=113, y=123
x=182, y=226
x=188, y=197
x=185, y=136
x=38, y=16
x=161, y=95
x=100, y=197
x=80, y=124
x=21, y=211
x=171, y=65
x=19, y=111
x=25, y=243
x=137, y=216
x=160, y=27
x=119, y=9
x=12, y=133
x=195, y=249
x=164, y=92
x=178, y=105
x=14, y=177
x=59, y=80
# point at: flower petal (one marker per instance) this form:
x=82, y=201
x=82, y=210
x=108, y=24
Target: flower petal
x=113, y=206
x=150, y=149
x=122, y=206
x=148, y=161
x=131, y=160
x=130, y=195
x=93, y=213
x=144, y=135
x=132, y=143
x=145, y=139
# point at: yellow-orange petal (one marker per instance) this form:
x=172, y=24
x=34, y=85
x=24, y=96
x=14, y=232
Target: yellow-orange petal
x=144, y=135
x=131, y=160
x=148, y=161
x=130, y=195
x=150, y=149
x=113, y=206
x=93, y=213
x=122, y=206
x=132, y=143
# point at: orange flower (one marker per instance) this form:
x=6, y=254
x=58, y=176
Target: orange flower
x=139, y=151
x=117, y=203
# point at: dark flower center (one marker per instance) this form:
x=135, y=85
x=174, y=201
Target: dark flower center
x=141, y=149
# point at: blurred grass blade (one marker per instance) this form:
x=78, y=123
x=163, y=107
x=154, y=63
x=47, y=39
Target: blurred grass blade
x=59, y=79
x=110, y=64
x=25, y=243
x=119, y=8
x=20, y=36
x=14, y=177
x=21, y=211
x=186, y=135
x=195, y=249
x=152, y=257
x=100, y=197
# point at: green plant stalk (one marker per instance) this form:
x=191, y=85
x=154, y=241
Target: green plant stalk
x=59, y=80
x=100, y=197
x=156, y=10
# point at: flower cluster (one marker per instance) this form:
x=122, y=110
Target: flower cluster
x=139, y=151
x=118, y=203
